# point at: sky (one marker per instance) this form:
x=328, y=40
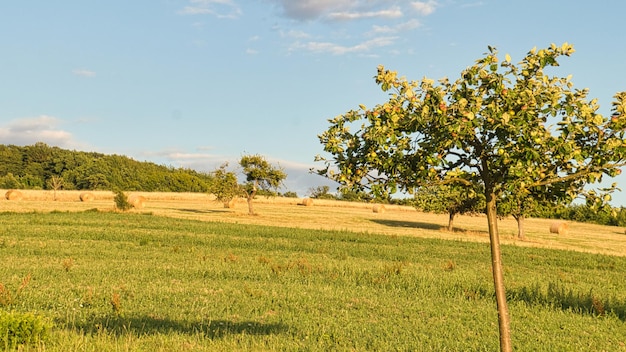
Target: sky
x=196, y=83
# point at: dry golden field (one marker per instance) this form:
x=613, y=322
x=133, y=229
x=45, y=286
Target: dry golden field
x=333, y=215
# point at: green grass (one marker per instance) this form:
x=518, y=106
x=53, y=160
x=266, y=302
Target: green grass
x=133, y=282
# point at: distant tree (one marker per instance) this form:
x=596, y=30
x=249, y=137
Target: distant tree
x=321, y=192
x=290, y=194
x=505, y=126
x=121, y=201
x=9, y=181
x=260, y=174
x=352, y=195
x=224, y=184
x=56, y=183
x=451, y=199
x=11, y=160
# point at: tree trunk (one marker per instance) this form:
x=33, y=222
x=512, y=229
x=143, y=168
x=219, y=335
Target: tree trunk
x=251, y=195
x=250, y=208
x=498, y=276
x=520, y=226
x=451, y=221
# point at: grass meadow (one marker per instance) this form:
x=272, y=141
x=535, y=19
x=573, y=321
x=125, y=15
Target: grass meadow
x=184, y=273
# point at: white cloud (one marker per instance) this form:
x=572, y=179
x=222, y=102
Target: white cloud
x=294, y=34
x=401, y=27
x=339, y=10
x=84, y=73
x=28, y=131
x=251, y=51
x=347, y=19
x=394, y=12
x=425, y=8
x=217, y=8
x=336, y=49
x=304, y=10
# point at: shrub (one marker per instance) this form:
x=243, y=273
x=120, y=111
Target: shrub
x=22, y=328
x=121, y=201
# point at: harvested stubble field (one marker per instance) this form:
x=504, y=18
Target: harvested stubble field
x=183, y=273
x=336, y=215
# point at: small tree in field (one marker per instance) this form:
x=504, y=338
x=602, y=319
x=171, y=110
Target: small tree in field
x=260, y=174
x=321, y=192
x=56, y=183
x=224, y=184
x=451, y=199
x=501, y=127
x=121, y=200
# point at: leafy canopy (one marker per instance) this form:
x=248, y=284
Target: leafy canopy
x=508, y=127
x=260, y=173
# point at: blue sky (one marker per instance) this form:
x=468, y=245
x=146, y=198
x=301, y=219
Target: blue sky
x=194, y=83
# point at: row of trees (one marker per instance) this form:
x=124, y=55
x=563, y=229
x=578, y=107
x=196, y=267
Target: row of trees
x=510, y=132
x=260, y=176
x=457, y=200
x=40, y=166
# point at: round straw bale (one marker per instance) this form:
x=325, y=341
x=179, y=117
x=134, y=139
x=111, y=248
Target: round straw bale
x=13, y=195
x=229, y=204
x=379, y=208
x=560, y=228
x=86, y=197
x=137, y=201
x=307, y=202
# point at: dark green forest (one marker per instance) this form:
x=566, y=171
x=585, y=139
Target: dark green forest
x=40, y=166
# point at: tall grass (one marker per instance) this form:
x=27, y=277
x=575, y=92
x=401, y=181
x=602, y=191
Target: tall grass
x=137, y=282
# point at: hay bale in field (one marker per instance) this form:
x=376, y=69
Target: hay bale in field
x=230, y=204
x=13, y=195
x=560, y=228
x=86, y=197
x=307, y=202
x=137, y=201
x=378, y=208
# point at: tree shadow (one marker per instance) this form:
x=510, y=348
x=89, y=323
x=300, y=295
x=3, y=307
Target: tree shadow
x=213, y=329
x=205, y=211
x=555, y=296
x=408, y=224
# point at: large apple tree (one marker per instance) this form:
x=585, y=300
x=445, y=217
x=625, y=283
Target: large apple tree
x=500, y=127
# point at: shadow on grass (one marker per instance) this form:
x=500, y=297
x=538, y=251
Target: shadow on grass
x=558, y=297
x=205, y=211
x=420, y=225
x=408, y=224
x=214, y=329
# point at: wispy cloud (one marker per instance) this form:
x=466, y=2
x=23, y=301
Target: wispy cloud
x=218, y=8
x=294, y=34
x=387, y=19
x=348, y=10
x=336, y=49
x=394, y=12
x=424, y=8
x=400, y=27
x=84, y=73
x=44, y=128
x=305, y=10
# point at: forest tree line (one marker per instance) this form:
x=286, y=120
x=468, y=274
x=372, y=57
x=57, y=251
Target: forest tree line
x=38, y=166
